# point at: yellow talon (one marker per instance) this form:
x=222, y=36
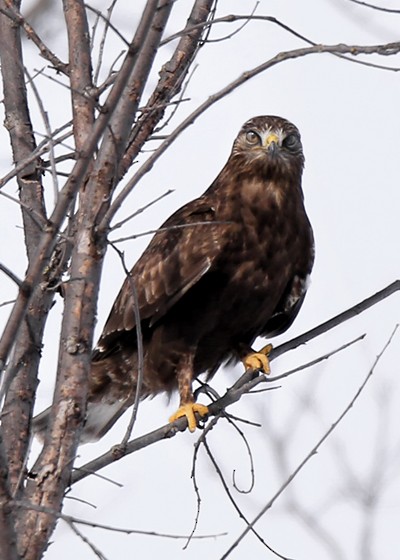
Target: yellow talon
x=259, y=360
x=189, y=411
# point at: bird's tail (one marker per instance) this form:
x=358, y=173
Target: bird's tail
x=112, y=389
x=100, y=417
x=40, y=423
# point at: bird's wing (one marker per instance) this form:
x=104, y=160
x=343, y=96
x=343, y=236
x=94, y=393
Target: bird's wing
x=288, y=307
x=182, y=251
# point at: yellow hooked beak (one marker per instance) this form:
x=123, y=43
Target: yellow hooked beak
x=270, y=139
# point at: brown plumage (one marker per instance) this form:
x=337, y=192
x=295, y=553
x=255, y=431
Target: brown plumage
x=224, y=269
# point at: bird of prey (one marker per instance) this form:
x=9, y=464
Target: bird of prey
x=224, y=269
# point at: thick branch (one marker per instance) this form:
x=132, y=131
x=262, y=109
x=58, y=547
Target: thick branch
x=69, y=405
x=80, y=70
x=19, y=126
x=145, y=45
x=172, y=76
x=66, y=197
x=8, y=540
x=17, y=411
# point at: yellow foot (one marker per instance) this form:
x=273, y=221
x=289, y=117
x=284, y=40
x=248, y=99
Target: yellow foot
x=259, y=360
x=189, y=410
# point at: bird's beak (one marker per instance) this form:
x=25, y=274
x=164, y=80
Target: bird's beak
x=271, y=142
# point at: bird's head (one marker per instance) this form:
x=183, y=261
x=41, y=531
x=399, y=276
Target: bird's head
x=270, y=145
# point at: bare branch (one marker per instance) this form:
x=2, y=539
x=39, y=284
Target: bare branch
x=19, y=125
x=95, y=525
x=141, y=210
x=11, y=275
x=338, y=320
x=236, y=17
x=66, y=198
x=374, y=7
x=80, y=70
x=169, y=84
x=243, y=385
x=18, y=405
x=316, y=361
x=233, y=501
x=388, y=49
x=140, y=352
x=87, y=541
x=8, y=539
x=45, y=52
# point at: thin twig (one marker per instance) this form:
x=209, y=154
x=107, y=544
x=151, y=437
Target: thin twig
x=11, y=275
x=233, y=501
x=196, y=488
x=10, y=302
x=45, y=52
x=140, y=210
x=40, y=150
x=140, y=354
x=95, y=525
x=374, y=7
x=47, y=126
x=168, y=228
x=236, y=31
x=35, y=216
x=85, y=539
x=317, y=360
x=108, y=23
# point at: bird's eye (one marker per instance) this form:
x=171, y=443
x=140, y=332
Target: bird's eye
x=291, y=142
x=252, y=137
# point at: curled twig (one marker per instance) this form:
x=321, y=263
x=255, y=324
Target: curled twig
x=314, y=450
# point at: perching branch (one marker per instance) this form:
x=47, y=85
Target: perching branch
x=338, y=320
x=243, y=385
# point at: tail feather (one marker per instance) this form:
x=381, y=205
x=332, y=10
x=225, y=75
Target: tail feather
x=100, y=417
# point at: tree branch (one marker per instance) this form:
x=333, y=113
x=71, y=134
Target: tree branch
x=80, y=70
x=8, y=538
x=388, y=49
x=374, y=7
x=172, y=76
x=45, y=52
x=337, y=320
x=242, y=386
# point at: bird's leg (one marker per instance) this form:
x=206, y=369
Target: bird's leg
x=188, y=407
x=258, y=360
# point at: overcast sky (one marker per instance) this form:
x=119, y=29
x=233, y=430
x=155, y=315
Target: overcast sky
x=349, y=118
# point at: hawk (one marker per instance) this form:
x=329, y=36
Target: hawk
x=224, y=269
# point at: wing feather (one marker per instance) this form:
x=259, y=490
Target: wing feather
x=177, y=257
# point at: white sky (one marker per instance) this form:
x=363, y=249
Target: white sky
x=349, y=119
